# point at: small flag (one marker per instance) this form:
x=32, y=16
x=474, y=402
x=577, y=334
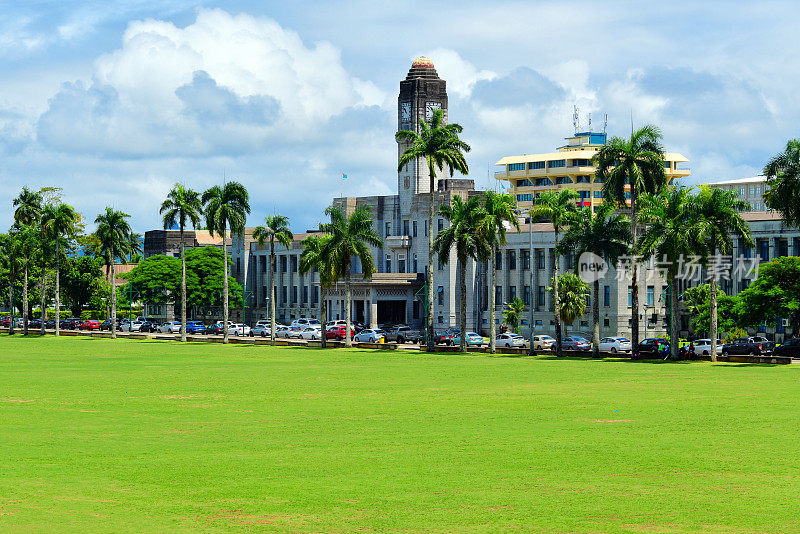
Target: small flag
x=344, y=176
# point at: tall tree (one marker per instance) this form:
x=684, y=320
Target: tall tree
x=774, y=295
x=60, y=223
x=572, y=297
x=274, y=227
x=182, y=206
x=556, y=206
x=350, y=237
x=11, y=260
x=439, y=145
x=462, y=234
x=27, y=212
x=783, y=183
x=718, y=213
x=498, y=211
x=671, y=232
x=313, y=259
x=627, y=168
x=115, y=241
x=226, y=208
x=513, y=313
x=606, y=234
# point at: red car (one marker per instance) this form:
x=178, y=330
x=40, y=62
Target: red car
x=91, y=324
x=338, y=332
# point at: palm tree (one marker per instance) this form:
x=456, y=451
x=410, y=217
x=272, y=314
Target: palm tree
x=628, y=168
x=226, y=208
x=498, y=211
x=671, y=232
x=10, y=259
x=572, y=297
x=28, y=211
x=605, y=234
x=115, y=240
x=182, y=206
x=59, y=222
x=556, y=206
x=718, y=211
x=350, y=237
x=439, y=145
x=462, y=234
x=513, y=313
x=783, y=183
x=313, y=259
x=275, y=227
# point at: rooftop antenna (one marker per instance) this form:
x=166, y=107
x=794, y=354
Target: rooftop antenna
x=575, y=120
x=605, y=123
x=590, y=122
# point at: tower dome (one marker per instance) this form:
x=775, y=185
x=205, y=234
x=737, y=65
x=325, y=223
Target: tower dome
x=422, y=63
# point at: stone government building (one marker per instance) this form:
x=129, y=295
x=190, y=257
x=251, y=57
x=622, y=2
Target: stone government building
x=395, y=294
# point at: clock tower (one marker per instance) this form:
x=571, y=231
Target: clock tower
x=421, y=93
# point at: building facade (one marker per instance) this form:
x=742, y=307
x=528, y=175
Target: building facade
x=751, y=190
x=570, y=167
x=524, y=266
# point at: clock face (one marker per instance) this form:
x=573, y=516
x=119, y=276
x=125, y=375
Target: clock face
x=430, y=107
x=405, y=112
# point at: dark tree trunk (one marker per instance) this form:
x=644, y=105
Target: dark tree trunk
x=557, y=299
x=462, y=300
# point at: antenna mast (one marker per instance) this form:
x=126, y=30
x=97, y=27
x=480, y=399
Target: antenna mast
x=590, y=122
x=605, y=123
x=576, y=120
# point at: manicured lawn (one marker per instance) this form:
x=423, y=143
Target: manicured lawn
x=147, y=436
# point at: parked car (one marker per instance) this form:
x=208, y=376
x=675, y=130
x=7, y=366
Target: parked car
x=303, y=322
x=238, y=329
x=615, y=344
x=260, y=330
x=576, y=343
x=73, y=323
x=510, y=340
x=311, y=332
x=473, y=339
x=649, y=347
x=369, y=335
x=215, y=329
x=445, y=337
x=133, y=326
x=755, y=345
x=790, y=347
x=148, y=327
x=543, y=343
x=282, y=330
x=403, y=334
x=106, y=325
x=703, y=346
x=170, y=327
x=338, y=332
x=91, y=324
x=195, y=327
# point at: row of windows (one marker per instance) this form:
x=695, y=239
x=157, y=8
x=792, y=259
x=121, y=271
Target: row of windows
x=410, y=228
x=559, y=163
x=285, y=291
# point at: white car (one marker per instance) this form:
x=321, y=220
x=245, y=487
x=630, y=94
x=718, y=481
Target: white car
x=311, y=332
x=170, y=327
x=369, y=335
x=510, y=341
x=703, y=346
x=135, y=326
x=259, y=330
x=543, y=342
x=615, y=344
x=238, y=329
x=295, y=332
x=303, y=322
x=281, y=331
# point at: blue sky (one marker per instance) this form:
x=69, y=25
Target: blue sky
x=115, y=101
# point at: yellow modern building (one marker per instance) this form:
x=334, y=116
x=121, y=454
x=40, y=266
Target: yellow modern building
x=570, y=167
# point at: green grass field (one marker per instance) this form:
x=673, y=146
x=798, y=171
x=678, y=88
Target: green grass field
x=147, y=436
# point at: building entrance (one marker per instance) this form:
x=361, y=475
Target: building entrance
x=391, y=311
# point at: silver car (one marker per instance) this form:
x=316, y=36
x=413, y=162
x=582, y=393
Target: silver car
x=369, y=335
